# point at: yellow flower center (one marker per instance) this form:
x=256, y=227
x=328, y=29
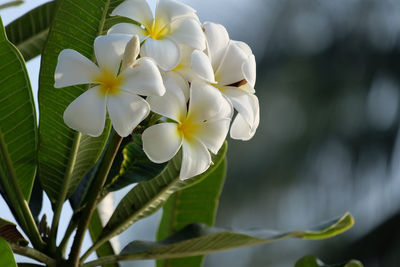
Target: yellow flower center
x=219, y=87
x=187, y=128
x=109, y=83
x=158, y=30
x=179, y=67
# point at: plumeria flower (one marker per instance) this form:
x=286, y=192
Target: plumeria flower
x=115, y=89
x=184, y=67
x=197, y=129
x=173, y=24
x=182, y=73
x=230, y=68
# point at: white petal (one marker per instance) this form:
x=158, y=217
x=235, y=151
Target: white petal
x=217, y=42
x=178, y=79
x=165, y=52
x=248, y=88
x=195, y=159
x=143, y=78
x=213, y=133
x=168, y=10
x=161, y=142
x=73, y=68
x=249, y=70
x=128, y=28
x=109, y=50
x=230, y=70
x=137, y=10
x=173, y=103
x=241, y=129
x=184, y=66
x=126, y=112
x=87, y=113
x=243, y=102
x=188, y=31
x=201, y=66
x=226, y=110
x=205, y=101
x=245, y=47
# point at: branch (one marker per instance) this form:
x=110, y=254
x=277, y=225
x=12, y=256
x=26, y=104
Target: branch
x=33, y=254
x=63, y=193
x=94, y=196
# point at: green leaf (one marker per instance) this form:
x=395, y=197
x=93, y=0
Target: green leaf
x=18, y=128
x=135, y=166
x=310, y=261
x=198, y=203
x=199, y=239
x=9, y=232
x=65, y=156
x=28, y=265
x=78, y=198
x=7, y=256
x=29, y=32
x=354, y=263
x=11, y=4
x=147, y=197
x=95, y=228
x=36, y=201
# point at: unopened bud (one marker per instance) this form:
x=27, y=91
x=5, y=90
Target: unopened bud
x=132, y=51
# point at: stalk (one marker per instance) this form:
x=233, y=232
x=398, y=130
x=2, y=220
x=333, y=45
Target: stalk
x=63, y=193
x=93, y=197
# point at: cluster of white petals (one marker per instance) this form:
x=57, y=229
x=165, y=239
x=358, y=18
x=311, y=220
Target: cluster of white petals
x=230, y=67
x=172, y=25
x=201, y=127
x=192, y=75
x=114, y=90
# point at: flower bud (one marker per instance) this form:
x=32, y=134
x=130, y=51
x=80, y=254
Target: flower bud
x=132, y=51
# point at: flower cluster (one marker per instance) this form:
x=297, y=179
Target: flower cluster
x=190, y=73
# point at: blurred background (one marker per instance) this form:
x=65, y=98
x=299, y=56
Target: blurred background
x=328, y=141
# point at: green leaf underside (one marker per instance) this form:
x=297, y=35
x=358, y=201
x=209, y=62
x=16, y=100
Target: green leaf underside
x=9, y=232
x=7, y=257
x=29, y=32
x=95, y=228
x=196, y=204
x=135, y=166
x=36, y=201
x=147, y=197
x=17, y=118
x=75, y=26
x=78, y=198
x=310, y=261
x=199, y=239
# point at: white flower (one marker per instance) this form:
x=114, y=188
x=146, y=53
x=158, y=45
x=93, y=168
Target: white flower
x=201, y=127
x=174, y=23
x=184, y=67
x=113, y=91
x=230, y=67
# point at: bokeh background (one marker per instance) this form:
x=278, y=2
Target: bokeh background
x=328, y=141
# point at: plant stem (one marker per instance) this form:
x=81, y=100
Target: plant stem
x=70, y=229
x=63, y=193
x=33, y=254
x=30, y=226
x=93, y=197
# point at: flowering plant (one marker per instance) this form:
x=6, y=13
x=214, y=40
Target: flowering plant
x=125, y=97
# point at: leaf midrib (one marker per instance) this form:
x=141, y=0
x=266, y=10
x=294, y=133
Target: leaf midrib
x=34, y=37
